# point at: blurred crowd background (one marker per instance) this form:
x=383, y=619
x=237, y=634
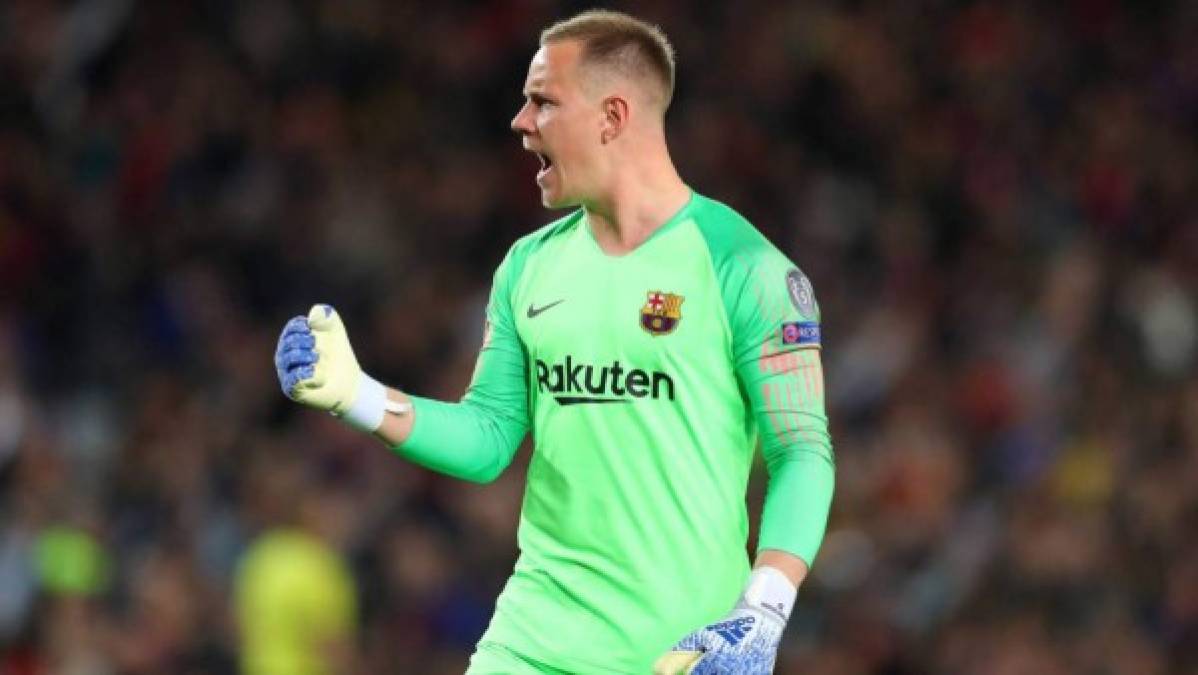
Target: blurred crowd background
x=995, y=202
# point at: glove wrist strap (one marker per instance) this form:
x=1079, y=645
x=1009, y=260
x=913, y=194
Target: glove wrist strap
x=370, y=405
x=770, y=590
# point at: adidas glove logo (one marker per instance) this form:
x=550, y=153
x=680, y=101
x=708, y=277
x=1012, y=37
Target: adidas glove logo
x=777, y=608
x=733, y=631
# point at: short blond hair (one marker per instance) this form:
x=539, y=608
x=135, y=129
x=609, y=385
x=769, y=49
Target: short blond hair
x=623, y=43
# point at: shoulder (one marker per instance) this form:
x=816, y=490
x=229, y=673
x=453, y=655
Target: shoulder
x=534, y=242
x=738, y=249
x=733, y=242
x=757, y=279
x=544, y=236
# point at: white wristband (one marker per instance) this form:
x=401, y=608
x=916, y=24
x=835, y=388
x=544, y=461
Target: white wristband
x=370, y=405
x=769, y=589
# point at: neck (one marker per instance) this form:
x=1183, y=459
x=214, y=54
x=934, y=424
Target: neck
x=646, y=193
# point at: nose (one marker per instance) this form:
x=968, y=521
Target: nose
x=522, y=122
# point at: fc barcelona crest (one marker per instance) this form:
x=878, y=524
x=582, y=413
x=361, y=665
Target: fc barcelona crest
x=661, y=313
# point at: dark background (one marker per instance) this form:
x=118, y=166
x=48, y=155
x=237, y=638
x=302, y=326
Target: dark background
x=995, y=202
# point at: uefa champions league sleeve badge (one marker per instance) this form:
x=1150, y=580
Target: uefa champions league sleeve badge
x=801, y=293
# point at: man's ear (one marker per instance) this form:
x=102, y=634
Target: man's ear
x=615, y=118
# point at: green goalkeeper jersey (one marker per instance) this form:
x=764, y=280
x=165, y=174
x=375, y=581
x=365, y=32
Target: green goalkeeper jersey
x=645, y=379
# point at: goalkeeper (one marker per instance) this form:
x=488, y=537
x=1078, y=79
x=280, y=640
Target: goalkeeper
x=647, y=338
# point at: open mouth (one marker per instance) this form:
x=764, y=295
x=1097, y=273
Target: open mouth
x=546, y=164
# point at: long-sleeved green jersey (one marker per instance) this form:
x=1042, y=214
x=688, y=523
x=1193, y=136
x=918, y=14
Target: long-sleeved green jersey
x=645, y=379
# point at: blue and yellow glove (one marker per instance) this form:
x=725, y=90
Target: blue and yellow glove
x=317, y=367
x=745, y=642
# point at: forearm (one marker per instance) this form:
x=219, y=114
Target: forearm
x=467, y=440
x=396, y=428
x=789, y=564
x=798, y=499
x=798, y=454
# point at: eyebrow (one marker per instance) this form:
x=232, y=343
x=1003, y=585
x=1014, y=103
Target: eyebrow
x=537, y=90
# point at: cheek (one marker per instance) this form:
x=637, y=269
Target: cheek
x=545, y=119
x=566, y=136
